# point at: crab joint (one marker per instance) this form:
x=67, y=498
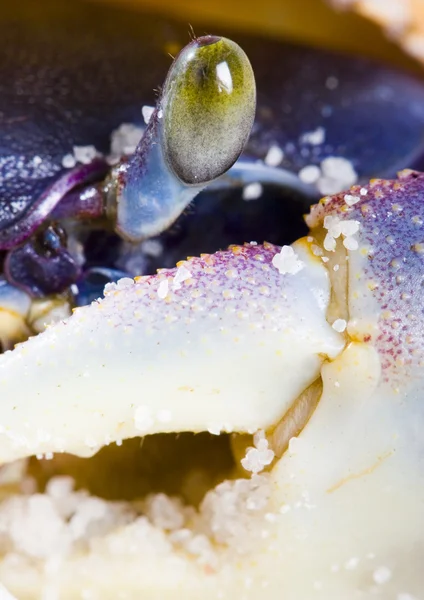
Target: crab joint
x=196, y=133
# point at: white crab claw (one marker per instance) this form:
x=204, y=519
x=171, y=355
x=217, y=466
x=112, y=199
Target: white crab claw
x=241, y=341
x=223, y=343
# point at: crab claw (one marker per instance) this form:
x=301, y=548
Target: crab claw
x=196, y=133
x=241, y=341
x=236, y=338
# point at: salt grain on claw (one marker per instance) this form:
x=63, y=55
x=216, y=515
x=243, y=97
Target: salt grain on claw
x=287, y=261
x=260, y=456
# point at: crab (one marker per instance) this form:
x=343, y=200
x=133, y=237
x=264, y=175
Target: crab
x=277, y=387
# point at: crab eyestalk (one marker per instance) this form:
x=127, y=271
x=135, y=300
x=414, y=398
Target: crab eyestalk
x=197, y=132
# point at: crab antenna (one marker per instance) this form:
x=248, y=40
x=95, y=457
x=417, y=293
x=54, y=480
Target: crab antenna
x=196, y=133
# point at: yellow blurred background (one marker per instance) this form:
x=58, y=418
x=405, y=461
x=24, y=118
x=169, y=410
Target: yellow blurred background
x=313, y=21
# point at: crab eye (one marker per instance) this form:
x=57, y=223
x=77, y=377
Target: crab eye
x=208, y=106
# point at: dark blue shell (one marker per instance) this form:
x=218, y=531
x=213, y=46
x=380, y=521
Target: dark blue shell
x=72, y=72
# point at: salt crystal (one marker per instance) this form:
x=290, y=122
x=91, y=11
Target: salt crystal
x=68, y=161
x=89, y=510
x=350, y=243
x=271, y=517
x=382, y=575
x=143, y=419
x=124, y=283
x=310, y=174
x=152, y=248
x=124, y=140
x=181, y=275
x=200, y=546
x=329, y=243
x=109, y=288
x=84, y=154
x=260, y=441
x=336, y=227
x=339, y=325
x=294, y=443
x=352, y=563
x=165, y=512
x=225, y=516
x=215, y=429
x=34, y=526
x=253, y=191
x=327, y=186
x=60, y=487
x=315, y=138
x=147, y=112
x=351, y=200
x=90, y=441
x=333, y=225
x=287, y=261
x=259, y=437
x=274, y=156
x=259, y=457
x=349, y=227
x=338, y=174
x=180, y=536
x=163, y=289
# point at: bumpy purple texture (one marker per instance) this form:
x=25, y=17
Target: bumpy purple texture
x=391, y=263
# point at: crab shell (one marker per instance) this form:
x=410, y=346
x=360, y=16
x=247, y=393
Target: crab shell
x=230, y=342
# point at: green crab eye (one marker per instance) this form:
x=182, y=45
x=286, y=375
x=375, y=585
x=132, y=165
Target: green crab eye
x=208, y=106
